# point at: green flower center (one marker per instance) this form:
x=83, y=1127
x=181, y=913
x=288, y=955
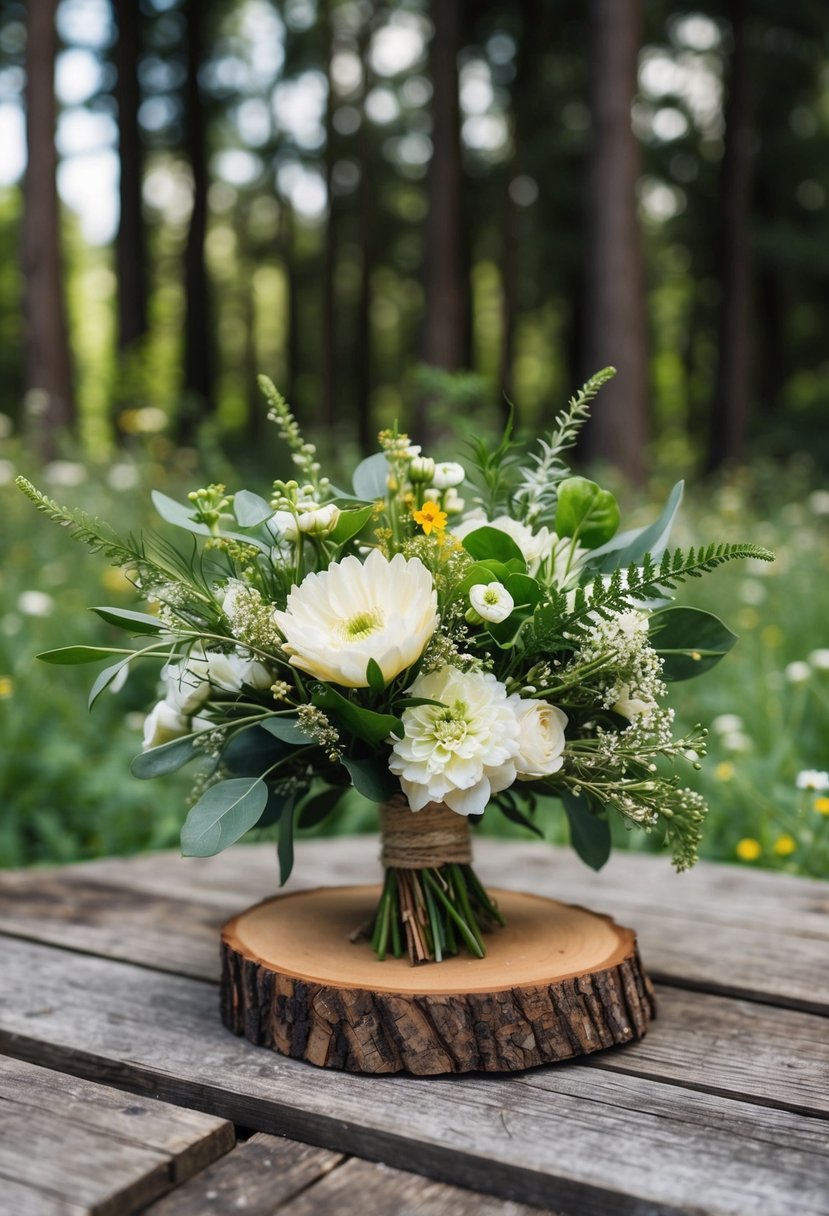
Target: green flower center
x=450, y=724
x=363, y=625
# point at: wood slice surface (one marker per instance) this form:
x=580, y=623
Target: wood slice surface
x=559, y=981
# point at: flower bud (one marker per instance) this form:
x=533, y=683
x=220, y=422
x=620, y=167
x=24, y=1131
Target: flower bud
x=449, y=474
x=421, y=469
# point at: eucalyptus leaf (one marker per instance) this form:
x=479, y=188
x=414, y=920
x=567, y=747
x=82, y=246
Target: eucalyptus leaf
x=250, y=509
x=486, y=542
x=104, y=679
x=369, y=480
x=178, y=515
x=251, y=751
x=223, y=813
x=72, y=655
x=689, y=641
x=285, y=845
x=589, y=833
x=364, y=723
x=370, y=776
x=286, y=729
x=630, y=547
x=585, y=511
x=167, y=758
x=135, y=622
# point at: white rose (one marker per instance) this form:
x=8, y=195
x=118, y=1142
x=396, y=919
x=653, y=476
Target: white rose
x=540, y=739
x=187, y=685
x=229, y=672
x=163, y=724
x=491, y=601
x=449, y=474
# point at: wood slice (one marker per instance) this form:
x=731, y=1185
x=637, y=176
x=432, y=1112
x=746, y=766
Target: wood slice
x=559, y=981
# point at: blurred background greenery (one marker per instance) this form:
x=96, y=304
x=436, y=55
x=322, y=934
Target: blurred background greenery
x=414, y=211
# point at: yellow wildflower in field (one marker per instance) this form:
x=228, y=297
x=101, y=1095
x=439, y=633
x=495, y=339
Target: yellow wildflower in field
x=748, y=849
x=821, y=805
x=784, y=845
x=6, y=687
x=724, y=771
x=430, y=517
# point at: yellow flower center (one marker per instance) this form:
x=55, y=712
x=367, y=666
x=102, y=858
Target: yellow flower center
x=363, y=625
x=430, y=517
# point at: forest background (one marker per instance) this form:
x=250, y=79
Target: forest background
x=415, y=211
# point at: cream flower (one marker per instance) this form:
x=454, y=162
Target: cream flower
x=163, y=724
x=491, y=601
x=335, y=621
x=448, y=475
x=462, y=751
x=631, y=707
x=541, y=739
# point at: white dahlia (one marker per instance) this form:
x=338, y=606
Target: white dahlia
x=462, y=751
x=335, y=621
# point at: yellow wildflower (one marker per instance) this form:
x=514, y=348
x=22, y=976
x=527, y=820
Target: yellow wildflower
x=6, y=687
x=821, y=805
x=724, y=771
x=748, y=849
x=784, y=845
x=430, y=517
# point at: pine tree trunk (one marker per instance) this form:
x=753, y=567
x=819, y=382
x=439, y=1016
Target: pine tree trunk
x=130, y=242
x=732, y=394
x=47, y=355
x=329, y=265
x=367, y=219
x=615, y=319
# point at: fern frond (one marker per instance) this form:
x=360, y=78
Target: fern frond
x=94, y=533
x=536, y=493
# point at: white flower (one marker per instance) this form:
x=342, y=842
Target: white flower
x=319, y=521
x=797, y=672
x=631, y=707
x=537, y=548
x=229, y=672
x=819, y=659
x=736, y=741
x=188, y=685
x=813, y=779
x=421, y=469
x=448, y=475
x=541, y=739
x=163, y=724
x=724, y=724
x=462, y=751
x=335, y=621
x=491, y=601
x=453, y=504
x=35, y=603
x=286, y=525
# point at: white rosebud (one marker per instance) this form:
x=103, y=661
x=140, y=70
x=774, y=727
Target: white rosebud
x=320, y=520
x=449, y=474
x=285, y=522
x=540, y=739
x=491, y=601
x=422, y=469
x=163, y=724
x=229, y=672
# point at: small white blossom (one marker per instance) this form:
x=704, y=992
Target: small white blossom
x=723, y=724
x=819, y=659
x=797, y=672
x=35, y=603
x=448, y=475
x=813, y=779
x=453, y=504
x=491, y=601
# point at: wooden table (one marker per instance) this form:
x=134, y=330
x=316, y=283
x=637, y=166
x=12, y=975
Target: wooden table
x=108, y=986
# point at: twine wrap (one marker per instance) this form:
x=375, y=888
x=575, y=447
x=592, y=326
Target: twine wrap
x=420, y=840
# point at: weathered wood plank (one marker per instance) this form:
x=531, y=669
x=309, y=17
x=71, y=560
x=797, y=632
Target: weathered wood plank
x=586, y=1142
x=774, y=958
x=80, y=1145
x=370, y=1187
x=20, y=1200
x=258, y=1177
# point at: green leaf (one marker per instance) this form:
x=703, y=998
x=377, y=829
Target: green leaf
x=286, y=729
x=689, y=640
x=165, y=759
x=484, y=572
x=350, y=523
x=586, y=511
x=78, y=654
x=369, y=480
x=251, y=751
x=589, y=834
x=487, y=542
x=412, y=702
x=223, y=813
x=364, y=723
x=631, y=546
x=523, y=589
x=285, y=846
x=319, y=806
x=104, y=679
x=510, y=811
x=177, y=514
x=251, y=510
x=135, y=622
x=371, y=778
x=374, y=676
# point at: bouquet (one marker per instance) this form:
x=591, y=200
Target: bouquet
x=446, y=638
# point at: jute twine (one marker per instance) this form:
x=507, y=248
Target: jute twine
x=418, y=840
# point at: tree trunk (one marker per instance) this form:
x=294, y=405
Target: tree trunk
x=444, y=339
x=509, y=292
x=130, y=242
x=732, y=393
x=329, y=266
x=366, y=436
x=290, y=268
x=198, y=362
x=616, y=321
x=47, y=355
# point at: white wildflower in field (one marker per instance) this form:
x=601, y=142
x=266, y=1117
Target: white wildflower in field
x=812, y=779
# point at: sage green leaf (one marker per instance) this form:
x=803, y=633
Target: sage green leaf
x=165, y=759
x=177, y=514
x=369, y=480
x=135, y=622
x=689, y=641
x=364, y=723
x=371, y=778
x=71, y=655
x=251, y=751
x=627, y=548
x=286, y=729
x=104, y=679
x=589, y=833
x=250, y=509
x=487, y=542
x=350, y=523
x=586, y=511
x=285, y=845
x=223, y=813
